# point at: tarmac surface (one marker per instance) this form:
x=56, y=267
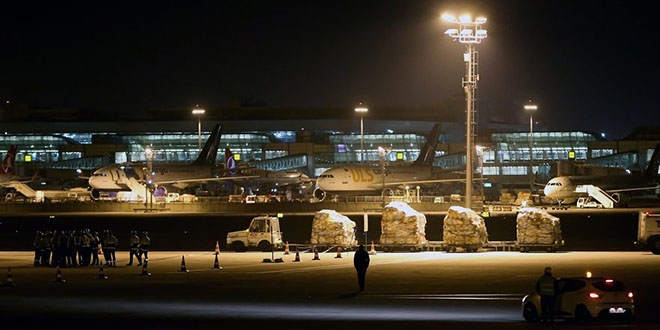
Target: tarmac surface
x=424, y=290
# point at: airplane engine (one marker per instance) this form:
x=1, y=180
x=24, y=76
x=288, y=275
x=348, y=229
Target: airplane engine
x=319, y=194
x=96, y=195
x=621, y=199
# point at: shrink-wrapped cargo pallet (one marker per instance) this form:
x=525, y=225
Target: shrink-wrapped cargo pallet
x=537, y=227
x=464, y=228
x=401, y=225
x=332, y=228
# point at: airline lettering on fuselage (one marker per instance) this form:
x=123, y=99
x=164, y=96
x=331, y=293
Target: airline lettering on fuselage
x=362, y=175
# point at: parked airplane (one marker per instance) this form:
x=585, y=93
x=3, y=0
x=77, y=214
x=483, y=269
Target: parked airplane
x=256, y=180
x=562, y=189
x=133, y=176
x=369, y=180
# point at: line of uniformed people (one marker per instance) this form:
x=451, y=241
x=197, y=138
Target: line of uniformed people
x=75, y=248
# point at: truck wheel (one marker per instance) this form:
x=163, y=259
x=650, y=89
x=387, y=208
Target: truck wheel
x=654, y=245
x=264, y=246
x=582, y=314
x=386, y=248
x=238, y=246
x=529, y=313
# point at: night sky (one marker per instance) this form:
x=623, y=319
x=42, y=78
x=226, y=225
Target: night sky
x=588, y=65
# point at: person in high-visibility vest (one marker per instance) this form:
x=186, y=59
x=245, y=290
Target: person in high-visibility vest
x=110, y=243
x=547, y=286
x=145, y=241
x=134, y=245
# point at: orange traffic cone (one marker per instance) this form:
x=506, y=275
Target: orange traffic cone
x=101, y=273
x=144, y=268
x=58, y=276
x=373, y=249
x=216, y=264
x=217, y=248
x=316, y=254
x=286, y=248
x=338, y=252
x=10, y=279
x=183, y=265
x=297, y=259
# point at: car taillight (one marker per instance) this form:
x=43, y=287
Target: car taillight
x=630, y=295
x=594, y=295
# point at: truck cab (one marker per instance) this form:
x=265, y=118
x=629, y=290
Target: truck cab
x=263, y=233
x=588, y=202
x=648, y=231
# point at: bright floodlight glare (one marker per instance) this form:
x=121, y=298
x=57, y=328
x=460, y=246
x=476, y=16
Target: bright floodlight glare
x=361, y=109
x=530, y=107
x=198, y=111
x=480, y=20
x=465, y=19
x=449, y=18
x=482, y=33
x=451, y=32
x=466, y=32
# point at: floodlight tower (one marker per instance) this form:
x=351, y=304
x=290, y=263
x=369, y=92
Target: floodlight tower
x=531, y=108
x=470, y=33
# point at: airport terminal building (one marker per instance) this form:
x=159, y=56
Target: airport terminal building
x=57, y=143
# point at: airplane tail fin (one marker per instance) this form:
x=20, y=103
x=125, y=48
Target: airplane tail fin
x=654, y=162
x=427, y=152
x=230, y=163
x=9, y=163
x=209, y=152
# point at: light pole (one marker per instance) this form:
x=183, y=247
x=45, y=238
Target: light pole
x=149, y=154
x=469, y=32
x=361, y=109
x=480, y=154
x=531, y=108
x=199, y=112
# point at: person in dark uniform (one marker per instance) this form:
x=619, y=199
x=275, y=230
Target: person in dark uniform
x=36, y=244
x=145, y=241
x=134, y=245
x=361, y=263
x=110, y=244
x=96, y=240
x=546, y=286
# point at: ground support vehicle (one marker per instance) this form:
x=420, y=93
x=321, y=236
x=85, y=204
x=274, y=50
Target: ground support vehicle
x=648, y=232
x=263, y=234
x=584, y=299
x=404, y=247
x=527, y=247
x=451, y=248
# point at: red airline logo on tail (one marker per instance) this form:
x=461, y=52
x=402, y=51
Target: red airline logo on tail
x=9, y=162
x=230, y=162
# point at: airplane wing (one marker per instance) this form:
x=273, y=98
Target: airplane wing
x=610, y=191
x=224, y=178
x=417, y=182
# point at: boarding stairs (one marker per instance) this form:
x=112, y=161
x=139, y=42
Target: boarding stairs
x=598, y=194
x=139, y=189
x=24, y=189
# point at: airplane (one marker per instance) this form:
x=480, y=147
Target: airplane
x=255, y=180
x=134, y=176
x=562, y=189
x=365, y=179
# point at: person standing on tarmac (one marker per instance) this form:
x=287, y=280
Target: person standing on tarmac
x=361, y=263
x=96, y=240
x=145, y=241
x=110, y=242
x=36, y=244
x=134, y=245
x=546, y=286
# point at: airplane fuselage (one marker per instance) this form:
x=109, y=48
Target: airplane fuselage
x=370, y=179
x=562, y=188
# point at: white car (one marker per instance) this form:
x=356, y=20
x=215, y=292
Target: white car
x=584, y=299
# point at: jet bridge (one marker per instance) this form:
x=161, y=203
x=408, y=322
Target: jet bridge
x=598, y=194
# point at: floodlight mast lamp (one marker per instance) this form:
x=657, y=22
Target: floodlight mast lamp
x=470, y=33
x=199, y=112
x=361, y=109
x=531, y=108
